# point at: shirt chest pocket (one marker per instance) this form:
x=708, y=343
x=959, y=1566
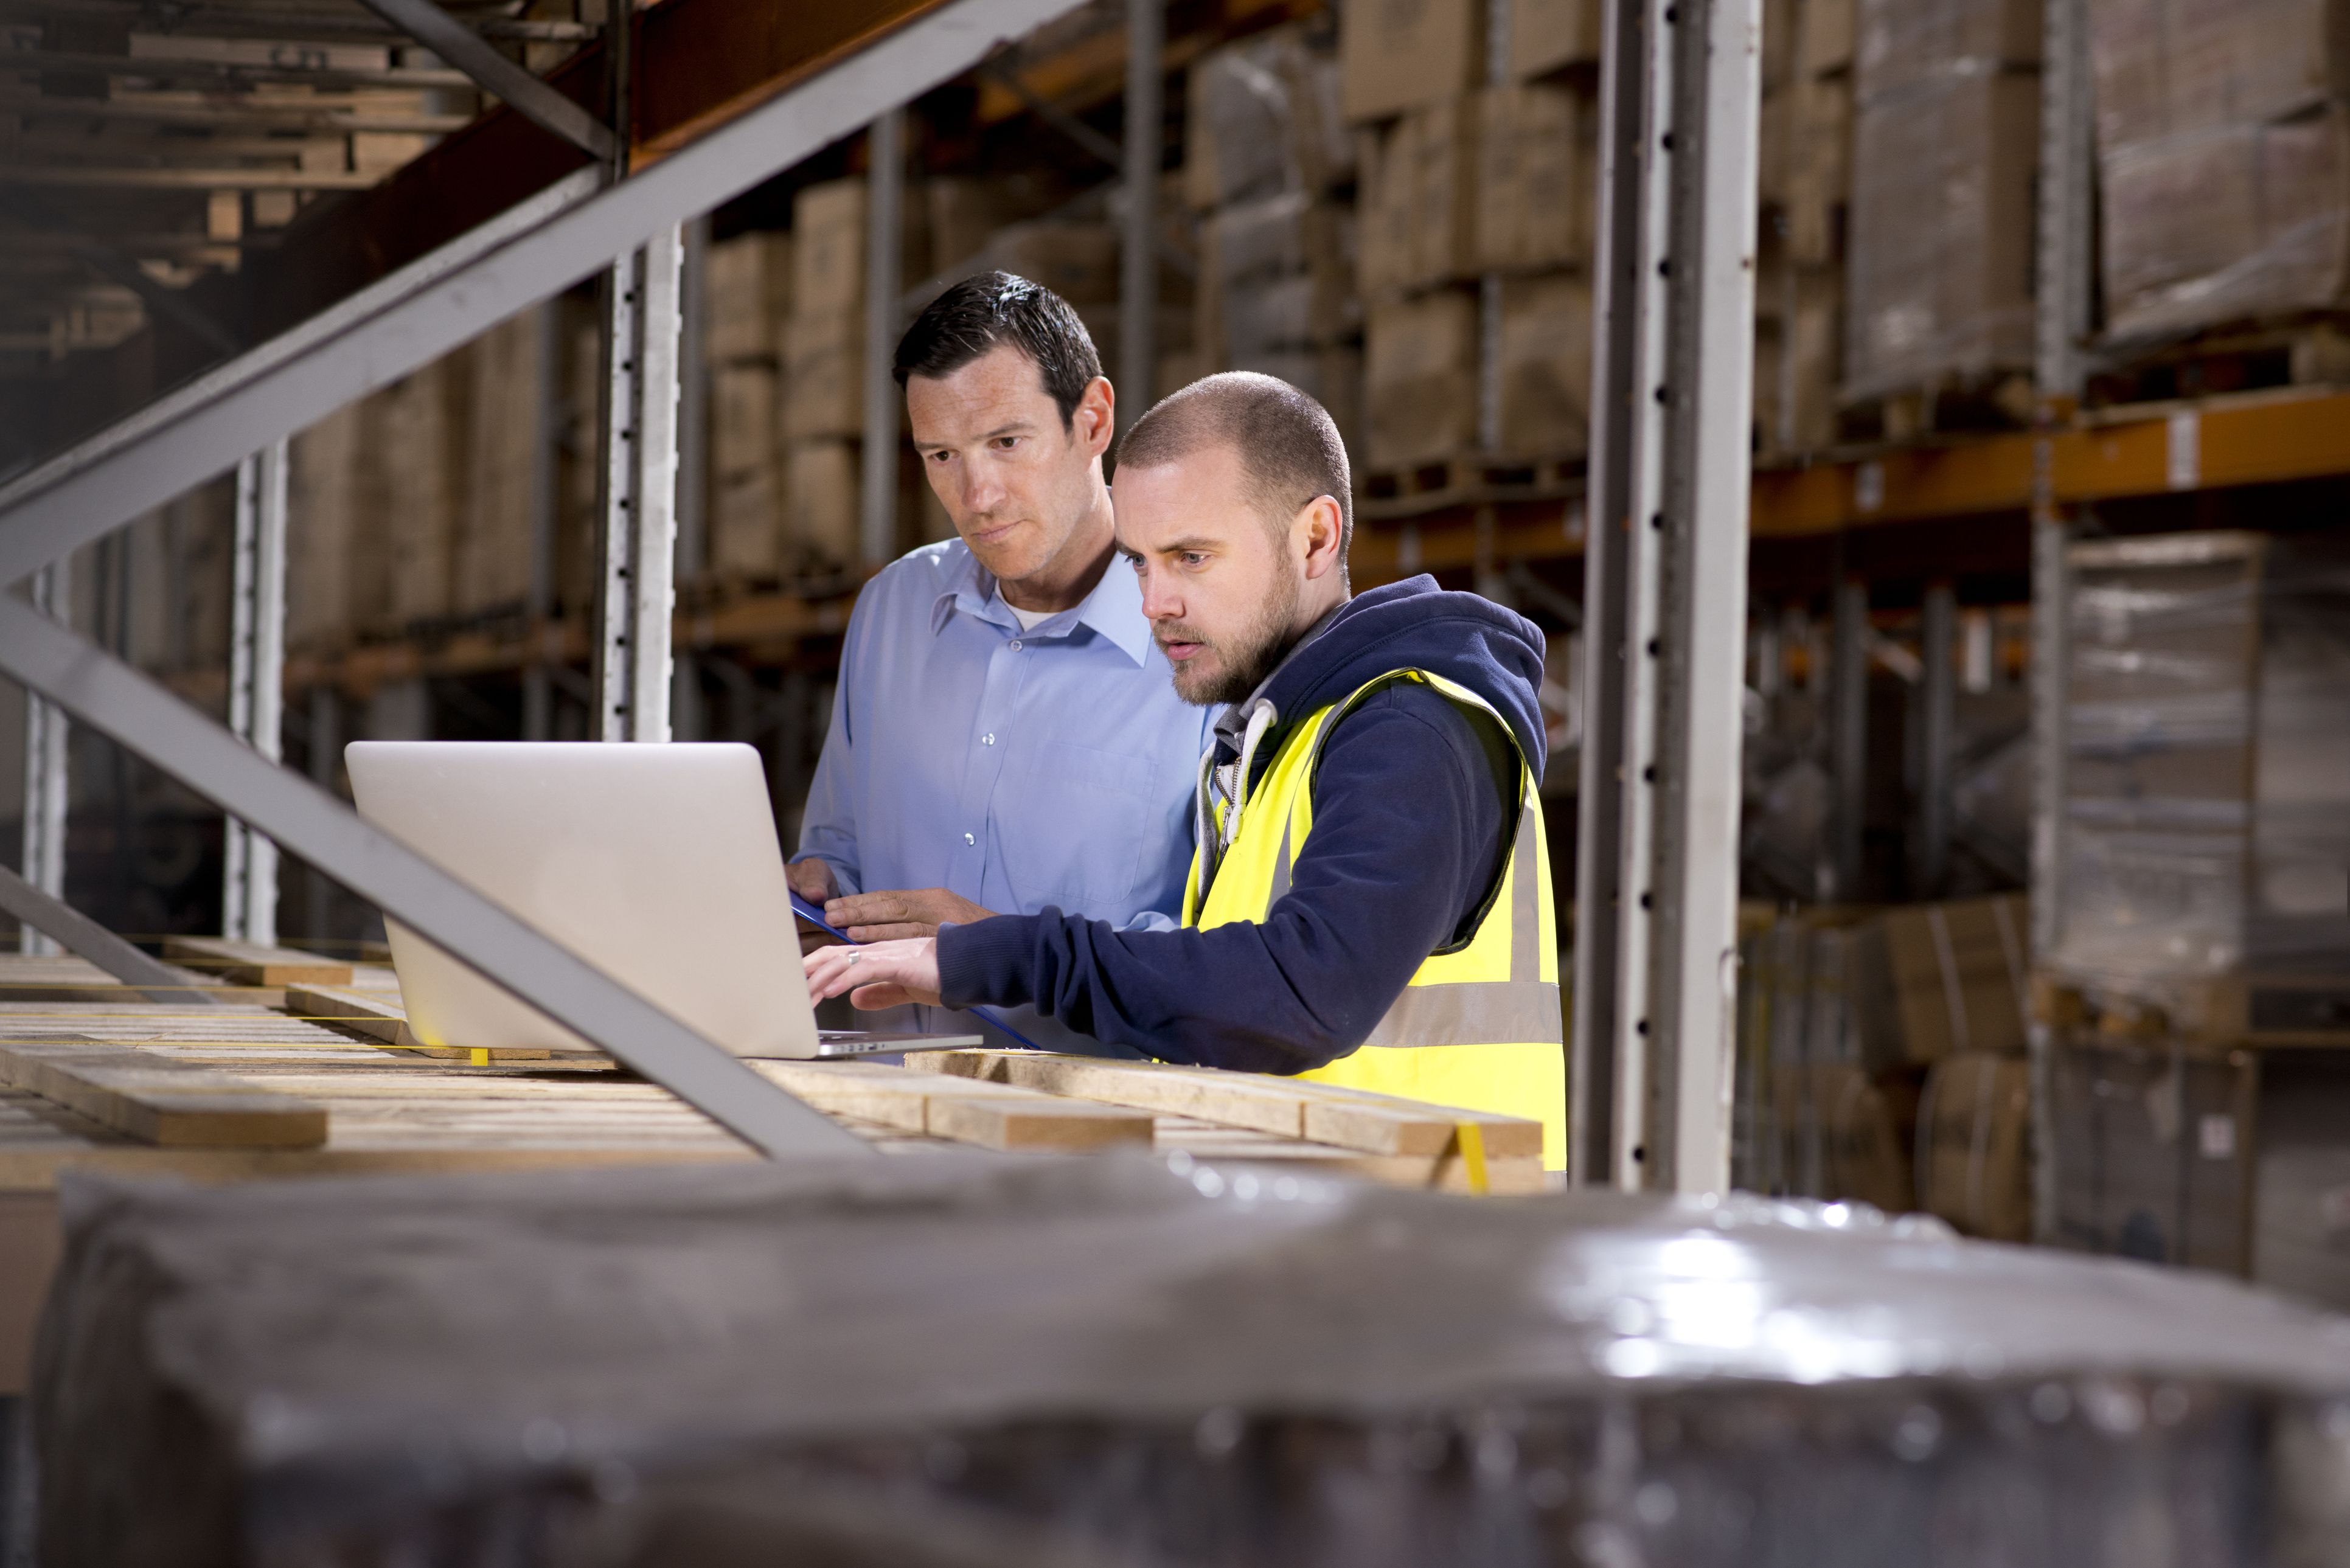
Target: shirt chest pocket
x=1072, y=820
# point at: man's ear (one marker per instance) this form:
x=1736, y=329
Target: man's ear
x=1323, y=528
x=1095, y=421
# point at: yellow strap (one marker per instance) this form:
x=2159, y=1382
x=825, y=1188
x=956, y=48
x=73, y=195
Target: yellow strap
x=1472, y=1154
x=481, y=1056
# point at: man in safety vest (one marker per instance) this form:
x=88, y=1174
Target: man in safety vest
x=1370, y=901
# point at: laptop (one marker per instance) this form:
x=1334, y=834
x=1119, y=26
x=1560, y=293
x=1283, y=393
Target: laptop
x=658, y=864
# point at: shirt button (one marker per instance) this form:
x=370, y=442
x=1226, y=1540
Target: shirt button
x=988, y=739
x=967, y=838
x=1016, y=645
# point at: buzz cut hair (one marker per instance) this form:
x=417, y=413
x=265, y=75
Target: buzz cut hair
x=1288, y=446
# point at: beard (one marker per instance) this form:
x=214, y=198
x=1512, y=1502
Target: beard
x=1242, y=662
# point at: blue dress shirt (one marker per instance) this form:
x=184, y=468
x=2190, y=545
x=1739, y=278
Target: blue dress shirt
x=1017, y=768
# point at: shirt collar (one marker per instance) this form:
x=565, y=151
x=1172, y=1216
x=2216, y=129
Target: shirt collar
x=1114, y=608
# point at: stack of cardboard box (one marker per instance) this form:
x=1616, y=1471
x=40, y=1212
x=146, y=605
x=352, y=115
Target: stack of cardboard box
x=1807, y=182
x=1267, y=159
x=2223, y=147
x=1945, y=148
x=748, y=295
x=1461, y=179
x=823, y=375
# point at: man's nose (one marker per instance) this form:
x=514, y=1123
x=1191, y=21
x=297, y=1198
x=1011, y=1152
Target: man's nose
x=1159, y=602
x=982, y=487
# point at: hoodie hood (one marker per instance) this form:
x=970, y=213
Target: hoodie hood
x=1410, y=625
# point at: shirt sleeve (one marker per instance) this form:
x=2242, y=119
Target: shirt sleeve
x=1410, y=809
x=828, y=821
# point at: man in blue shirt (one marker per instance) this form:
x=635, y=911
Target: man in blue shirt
x=1006, y=735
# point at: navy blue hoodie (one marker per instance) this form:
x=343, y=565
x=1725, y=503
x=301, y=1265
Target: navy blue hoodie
x=1412, y=805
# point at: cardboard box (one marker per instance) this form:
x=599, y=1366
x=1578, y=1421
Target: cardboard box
x=823, y=375
x=747, y=482
x=829, y=249
x=1942, y=218
x=1264, y=118
x=1545, y=366
x=748, y=295
x=1421, y=378
x=497, y=501
x=1275, y=273
x=413, y=469
x=820, y=517
x=1443, y=174
x=1905, y=42
x=1077, y=261
x=1932, y=981
x=2169, y=68
x=1855, y=1130
x=1974, y=1146
x=1818, y=189
x=1385, y=211
x=323, y=493
x=2250, y=219
x=1547, y=34
x=1538, y=174
x=1397, y=55
x=1799, y=333
x=1827, y=37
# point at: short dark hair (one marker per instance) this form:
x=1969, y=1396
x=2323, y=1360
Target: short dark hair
x=1287, y=443
x=982, y=313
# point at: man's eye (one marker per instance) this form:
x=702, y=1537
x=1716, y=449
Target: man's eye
x=1005, y=443
x=1195, y=557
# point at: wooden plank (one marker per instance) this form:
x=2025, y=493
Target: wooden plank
x=161, y=1101
x=1316, y=1113
x=383, y=1018
x=992, y=1115
x=248, y=964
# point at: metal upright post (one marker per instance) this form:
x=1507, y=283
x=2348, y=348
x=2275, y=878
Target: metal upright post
x=1665, y=611
x=691, y=554
x=1848, y=735
x=885, y=221
x=537, y=683
x=256, y=682
x=643, y=327
x=2063, y=293
x=1489, y=284
x=45, y=765
x=1138, y=263
x=1938, y=696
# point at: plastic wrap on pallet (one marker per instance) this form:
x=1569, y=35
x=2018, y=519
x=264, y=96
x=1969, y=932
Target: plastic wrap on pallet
x=2219, y=225
x=1116, y=1361
x=2170, y=67
x=2207, y=827
x=1265, y=119
x=1941, y=260
x=1903, y=42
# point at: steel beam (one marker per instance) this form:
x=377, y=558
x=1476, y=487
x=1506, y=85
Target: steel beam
x=639, y=594
x=46, y=780
x=1938, y=760
x=885, y=228
x=118, y=701
x=525, y=94
x=256, y=681
x=1137, y=259
x=1665, y=614
x=77, y=934
x=460, y=291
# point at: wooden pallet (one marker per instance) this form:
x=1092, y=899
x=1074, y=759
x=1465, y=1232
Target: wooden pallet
x=250, y=963
x=2217, y=1012
x=1471, y=479
x=1997, y=402
x=2300, y=351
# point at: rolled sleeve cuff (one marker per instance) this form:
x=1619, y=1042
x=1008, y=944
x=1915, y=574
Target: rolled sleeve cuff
x=987, y=962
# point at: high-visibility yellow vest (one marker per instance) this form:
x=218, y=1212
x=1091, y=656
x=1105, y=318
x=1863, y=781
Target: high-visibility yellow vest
x=1479, y=1027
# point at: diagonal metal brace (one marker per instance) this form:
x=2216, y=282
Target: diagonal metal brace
x=115, y=699
x=529, y=96
x=86, y=938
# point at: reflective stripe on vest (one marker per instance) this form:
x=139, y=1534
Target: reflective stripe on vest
x=1479, y=1024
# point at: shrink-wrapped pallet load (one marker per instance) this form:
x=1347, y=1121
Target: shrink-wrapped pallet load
x=2221, y=155
x=2205, y=842
x=1399, y=55
x=490, y=566
x=1945, y=150
x=409, y=476
x=1420, y=380
x=321, y=533
x=1545, y=368
x=1975, y=1145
